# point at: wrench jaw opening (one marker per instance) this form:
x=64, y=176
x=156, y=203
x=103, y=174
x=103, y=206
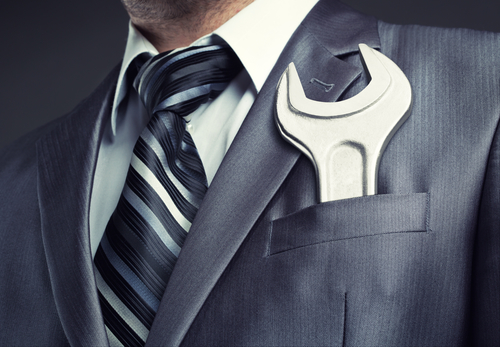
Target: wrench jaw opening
x=345, y=140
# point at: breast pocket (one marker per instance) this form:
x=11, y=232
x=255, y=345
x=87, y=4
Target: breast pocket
x=350, y=218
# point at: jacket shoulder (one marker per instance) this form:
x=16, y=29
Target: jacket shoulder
x=447, y=65
x=454, y=44
x=20, y=156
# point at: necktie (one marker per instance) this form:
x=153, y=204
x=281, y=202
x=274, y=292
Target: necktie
x=164, y=187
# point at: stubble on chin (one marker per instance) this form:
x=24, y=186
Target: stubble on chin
x=170, y=24
x=160, y=11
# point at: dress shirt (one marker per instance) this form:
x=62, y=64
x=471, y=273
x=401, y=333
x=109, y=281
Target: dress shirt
x=257, y=34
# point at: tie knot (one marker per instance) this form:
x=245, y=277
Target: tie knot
x=181, y=81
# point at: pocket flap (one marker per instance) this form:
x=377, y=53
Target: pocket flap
x=350, y=218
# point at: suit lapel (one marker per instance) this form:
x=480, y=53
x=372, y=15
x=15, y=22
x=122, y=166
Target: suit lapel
x=66, y=163
x=257, y=163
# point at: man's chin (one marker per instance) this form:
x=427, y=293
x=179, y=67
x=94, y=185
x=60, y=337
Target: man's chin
x=165, y=10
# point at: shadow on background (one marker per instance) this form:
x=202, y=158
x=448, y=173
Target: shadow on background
x=55, y=52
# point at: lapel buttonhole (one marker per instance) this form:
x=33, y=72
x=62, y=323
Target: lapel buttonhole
x=326, y=87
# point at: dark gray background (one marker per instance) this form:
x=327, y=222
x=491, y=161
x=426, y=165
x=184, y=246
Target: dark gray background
x=55, y=52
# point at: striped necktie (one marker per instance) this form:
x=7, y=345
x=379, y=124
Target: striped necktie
x=164, y=187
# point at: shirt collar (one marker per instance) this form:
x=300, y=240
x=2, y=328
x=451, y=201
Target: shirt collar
x=257, y=34
x=136, y=45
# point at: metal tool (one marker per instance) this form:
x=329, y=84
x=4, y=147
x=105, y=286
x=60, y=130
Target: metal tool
x=345, y=140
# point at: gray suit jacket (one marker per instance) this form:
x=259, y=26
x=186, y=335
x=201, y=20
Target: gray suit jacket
x=418, y=264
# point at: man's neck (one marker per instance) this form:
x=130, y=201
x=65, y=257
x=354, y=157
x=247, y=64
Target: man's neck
x=170, y=33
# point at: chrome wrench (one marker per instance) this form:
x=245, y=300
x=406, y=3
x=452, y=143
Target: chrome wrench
x=345, y=140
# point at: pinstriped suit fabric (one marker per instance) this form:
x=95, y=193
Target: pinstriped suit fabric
x=435, y=288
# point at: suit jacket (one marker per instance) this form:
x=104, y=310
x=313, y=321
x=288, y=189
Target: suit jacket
x=264, y=264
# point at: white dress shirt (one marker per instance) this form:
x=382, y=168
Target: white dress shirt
x=257, y=34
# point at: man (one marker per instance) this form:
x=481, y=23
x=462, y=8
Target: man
x=264, y=264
